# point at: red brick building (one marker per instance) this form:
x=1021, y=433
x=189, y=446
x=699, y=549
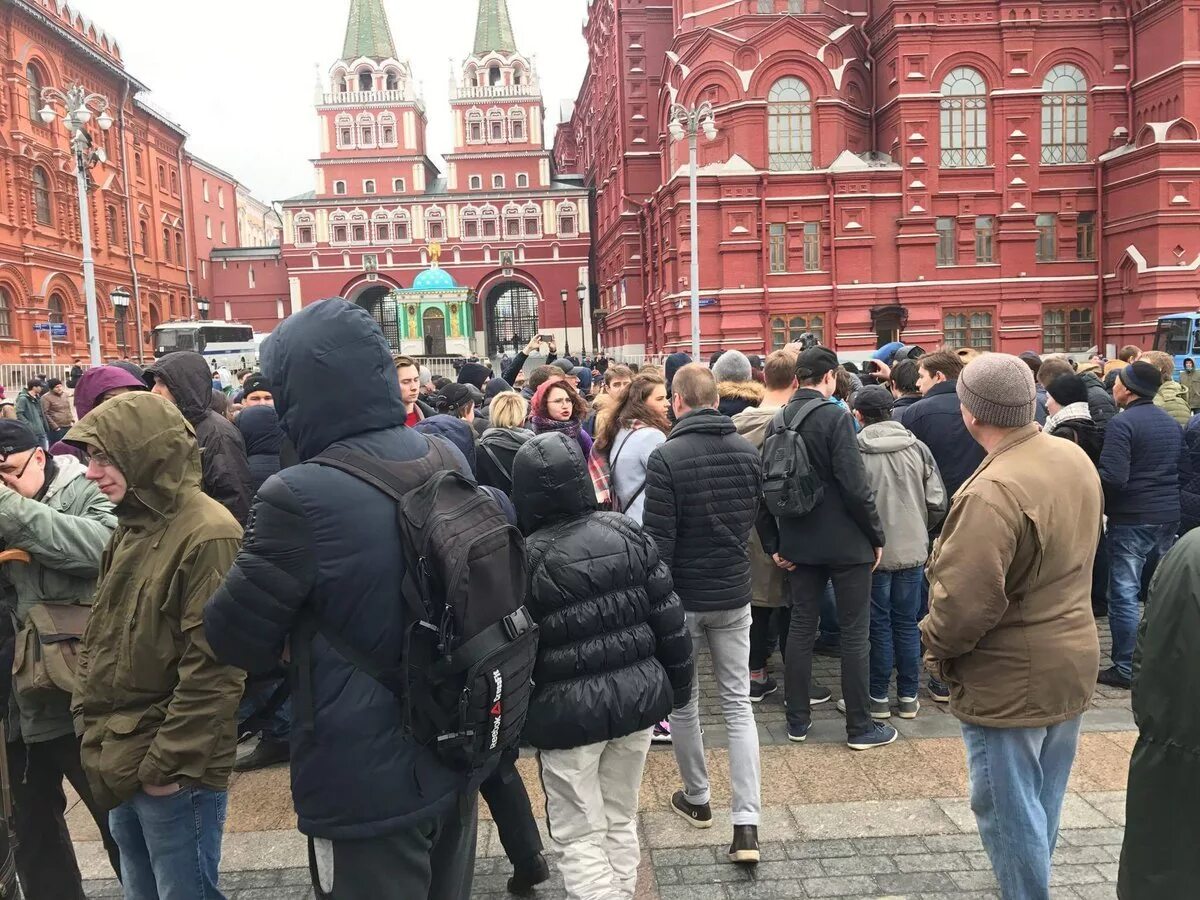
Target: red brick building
x=509, y=230
x=213, y=221
x=1006, y=175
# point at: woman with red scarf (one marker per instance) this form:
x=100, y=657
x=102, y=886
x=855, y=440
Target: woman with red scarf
x=557, y=406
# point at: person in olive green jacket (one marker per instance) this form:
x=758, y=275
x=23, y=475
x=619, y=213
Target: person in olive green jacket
x=1158, y=860
x=52, y=512
x=156, y=708
x=1172, y=396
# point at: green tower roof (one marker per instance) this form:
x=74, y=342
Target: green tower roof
x=494, y=30
x=367, y=32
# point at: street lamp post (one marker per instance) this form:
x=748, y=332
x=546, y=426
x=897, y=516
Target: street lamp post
x=690, y=122
x=120, y=301
x=80, y=106
x=566, y=329
x=202, y=305
x=582, y=292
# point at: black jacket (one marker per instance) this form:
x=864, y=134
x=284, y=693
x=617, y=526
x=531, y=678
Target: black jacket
x=702, y=493
x=1189, y=477
x=496, y=453
x=259, y=427
x=1139, y=466
x=1083, y=433
x=937, y=422
x=326, y=545
x=1100, y=401
x=902, y=405
x=844, y=529
x=226, y=475
x=614, y=654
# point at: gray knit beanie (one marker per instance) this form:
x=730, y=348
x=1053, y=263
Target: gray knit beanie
x=733, y=365
x=997, y=389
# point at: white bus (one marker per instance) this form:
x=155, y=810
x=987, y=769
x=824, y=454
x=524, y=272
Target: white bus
x=228, y=344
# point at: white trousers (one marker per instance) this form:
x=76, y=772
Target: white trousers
x=591, y=812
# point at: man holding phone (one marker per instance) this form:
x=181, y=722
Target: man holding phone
x=513, y=369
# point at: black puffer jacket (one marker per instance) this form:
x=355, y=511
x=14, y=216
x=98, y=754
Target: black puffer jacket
x=1100, y=401
x=937, y=422
x=226, y=475
x=322, y=543
x=702, y=492
x=259, y=426
x=1189, y=477
x=844, y=528
x=614, y=654
x=497, y=451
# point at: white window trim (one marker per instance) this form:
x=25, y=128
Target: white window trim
x=495, y=186
x=335, y=187
x=524, y=175
x=371, y=182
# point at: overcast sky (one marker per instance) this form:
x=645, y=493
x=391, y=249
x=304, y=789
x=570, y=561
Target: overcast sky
x=240, y=75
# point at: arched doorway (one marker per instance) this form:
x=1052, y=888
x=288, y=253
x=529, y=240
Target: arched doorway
x=383, y=309
x=512, y=316
x=433, y=324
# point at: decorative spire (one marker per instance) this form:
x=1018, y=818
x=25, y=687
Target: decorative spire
x=367, y=32
x=494, y=30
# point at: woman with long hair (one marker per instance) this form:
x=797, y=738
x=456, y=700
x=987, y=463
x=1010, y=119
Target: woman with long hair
x=626, y=435
x=557, y=406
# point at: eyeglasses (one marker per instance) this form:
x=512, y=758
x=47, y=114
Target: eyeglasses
x=18, y=475
x=102, y=459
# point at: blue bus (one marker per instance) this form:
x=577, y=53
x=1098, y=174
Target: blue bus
x=1179, y=335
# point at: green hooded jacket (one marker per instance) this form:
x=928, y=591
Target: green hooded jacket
x=1172, y=397
x=1162, y=831
x=65, y=532
x=156, y=707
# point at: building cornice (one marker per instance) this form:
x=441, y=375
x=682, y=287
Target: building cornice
x=70, y=37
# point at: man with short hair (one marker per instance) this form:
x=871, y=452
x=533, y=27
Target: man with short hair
x=409, y=374
x=538, y=377
x=1129, y=354
x=702, y=491
x=904, y=388
x=56, y=408
x=616, y=380
x=1010, y=626
x=1100, y=402
x=52, y=512
x=840, y=539
x=937, y=419
x=157, y=709
x=1139, y=467
x=29, y=411
x=256, y=391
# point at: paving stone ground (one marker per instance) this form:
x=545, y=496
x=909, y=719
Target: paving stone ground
x=888, y=824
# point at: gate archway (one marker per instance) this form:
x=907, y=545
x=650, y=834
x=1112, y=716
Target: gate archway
x=512, y=316
x=384, y=310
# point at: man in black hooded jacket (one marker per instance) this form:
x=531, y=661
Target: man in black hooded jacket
x=384, y=817
x=185, y=379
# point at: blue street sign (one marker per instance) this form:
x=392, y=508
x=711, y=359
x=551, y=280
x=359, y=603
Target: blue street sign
x=58, y=329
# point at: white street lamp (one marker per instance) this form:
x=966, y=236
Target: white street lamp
x=690, y=122
x=80, y=106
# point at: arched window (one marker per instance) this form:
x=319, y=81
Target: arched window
x=493, y=74
x=137, y=163
x=56, y=308
x=339, y=230
x=33, y=75
x=964, y=119
x=366, y=130
x=400, y=221
x=522, y=180
x=489, y=222
x=475, y=182
x=358, y=227
x=393, y=80
x=304, y=229
x=533, y=220
x=387, y=130
x=495, y=126
x=41, y=197
x=174, y=182
x=345, y=131
x=512, y=221
x=166, y=244
x=435, y=224
x=470, y=223
x=110, y=225
x=144, y=236
x=381, y=227
x=789, y=125
x=516, y=125
x=788, y=329
x=179, y=247
x=6, y=303
x=475, y=127
x=1064, y=116
x=568, y=220
x=366, y=81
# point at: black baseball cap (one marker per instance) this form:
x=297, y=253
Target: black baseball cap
x=815, y=363
x=15, y=438
x=874, y=398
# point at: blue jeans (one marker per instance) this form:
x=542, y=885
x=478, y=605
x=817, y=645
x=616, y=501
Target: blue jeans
x=1128, y=548
x=895, y=640
x=170, y=846
x=279, y=726
x=1018, y=779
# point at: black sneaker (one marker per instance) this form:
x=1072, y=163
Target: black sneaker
x=818, y=695
x=527, y=875
x=696, y=815
x=879, y=736
x=1112, y=677
x=760, y=689
x=938, y=691
x=744, y=848
x=268, y=753
x=798, y=734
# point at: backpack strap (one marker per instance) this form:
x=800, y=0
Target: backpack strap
x=499, y=466
x=612, y=476
x=797, y=418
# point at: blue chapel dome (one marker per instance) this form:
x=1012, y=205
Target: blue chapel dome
x=434, y=278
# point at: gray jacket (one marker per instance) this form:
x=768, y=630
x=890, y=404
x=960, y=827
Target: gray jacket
x=908, y=489
x=631, y=450
x=65, y=533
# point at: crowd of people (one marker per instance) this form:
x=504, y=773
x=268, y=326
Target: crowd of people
x=187, y=567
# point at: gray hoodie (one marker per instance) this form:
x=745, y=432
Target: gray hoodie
x=908, y=489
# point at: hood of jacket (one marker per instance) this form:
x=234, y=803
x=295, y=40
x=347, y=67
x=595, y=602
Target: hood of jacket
x=751, y=391
x=496, y=386
x=313, y=357
x=885, y=437
x=66, y=470
x=260, y=430
x=453, y=429
x=154, y=447
x=673, y=364
x=189, y=379
x=752, y=422
x=551, y=482
x=703, y=421
x=1172, y=390
x=506, y=438
x=96, y=382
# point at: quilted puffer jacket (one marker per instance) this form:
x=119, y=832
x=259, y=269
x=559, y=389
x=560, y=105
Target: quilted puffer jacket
x=702, y=492
x=1139, y=466
x=1189, y=477
x=614, y=655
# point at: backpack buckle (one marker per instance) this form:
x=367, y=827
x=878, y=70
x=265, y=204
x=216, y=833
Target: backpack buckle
x=517, y=623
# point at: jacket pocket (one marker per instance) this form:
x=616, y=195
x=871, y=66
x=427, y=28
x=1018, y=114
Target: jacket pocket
x=149, y=655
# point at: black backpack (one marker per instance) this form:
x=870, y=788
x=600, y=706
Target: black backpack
x=791, y=487
x=466, y=677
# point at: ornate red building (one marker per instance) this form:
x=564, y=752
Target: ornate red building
x=509, y=230
x=1005, y=175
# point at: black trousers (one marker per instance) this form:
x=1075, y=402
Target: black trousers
x=852, y=589
x=431, y=861
x=505, y=794
x=46, y=861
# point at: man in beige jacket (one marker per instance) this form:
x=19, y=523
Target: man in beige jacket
x=1010, y=626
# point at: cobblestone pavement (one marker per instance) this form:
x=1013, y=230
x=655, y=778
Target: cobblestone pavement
x=893, y=823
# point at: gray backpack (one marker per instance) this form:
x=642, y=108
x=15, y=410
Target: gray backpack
x=791, y=487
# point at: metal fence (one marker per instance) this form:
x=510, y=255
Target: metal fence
x=15, y=376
